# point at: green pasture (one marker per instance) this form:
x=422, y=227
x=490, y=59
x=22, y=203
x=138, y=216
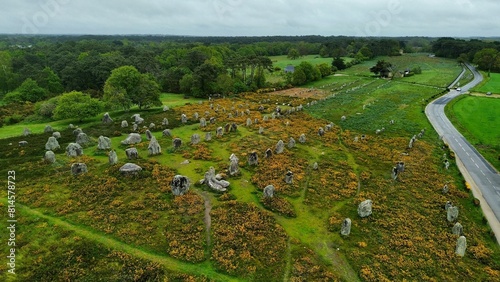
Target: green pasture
x=491, y=84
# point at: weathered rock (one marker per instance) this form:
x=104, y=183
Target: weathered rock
x=165, y=108
x=152, y=125
x=412, y=140
x=457, y=229
x=195, y=139
x=356, y=139
x=400, y=166
x=48, y=129
x=203, y=122
x=447, y=205
x=154, y=147
x=445, y=189
x=177, y=142
x=167, y=133
x=133, y=138
x=261, y=130
x=26, y=132
x=208, y=136
x=394, y=173
x=106, y=119
x=71, y=126
x=77, y=132
x=52, y=144
x=164, y=122
x=249, y=121
x=343, y=118
x=315, y=166
x=461, y=246
x=196, y=116
x=280, y=147
x=135, y=127
x=74, y=150
x=363, y=137
x=227, y=128
x=219, y=132
x=184, y=118
x=321, y=131
x=132, y=153
x=137, y=119
x=234, y=127
x=78, y=168
x=214, y=183
x=233, y=165
x=56, y=134
x=124, y=124
x=212, y=120
x=103, y=143
x=253, y=158
x=149, y=135
x=302, y=138
x=269, y=191
x=291, y=143
x=346, y=227
x=112, y=157
x=180, y=185
x=50, y=157
x=446, y=164
x=23, y=143
x=289, y=177
x=82, y=139
x=130, y=169
x=269, y=153
x=365, y=208
x=265, y=118
x=452, y=214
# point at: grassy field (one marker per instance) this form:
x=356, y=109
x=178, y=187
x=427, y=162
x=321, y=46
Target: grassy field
x=283, y=61
x=478, y=120
x=132, y=228
x=491, y=84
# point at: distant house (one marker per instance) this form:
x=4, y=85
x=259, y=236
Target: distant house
x=289, y=69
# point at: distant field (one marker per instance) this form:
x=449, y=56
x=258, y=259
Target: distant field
x=174, y=100
x=478, y=120
x=492, y=85
x=283, y=61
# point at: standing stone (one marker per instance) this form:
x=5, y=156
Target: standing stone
x=135, y=127
x=167, y=133
x=56, y=134
x=253, y=158
x=343, y=118
x=269, y=191
x=184, y=118
x=269, y=153
x=137, y=119
x=216, y=184
x=106, y=119
x=124, y=124
x=165, y=108
x=212, y=120
x=23, y=143
x=289, y=177
x=208, y=136
x=149, y=135
x=363, y=137
x=164, y=122
x=195, y=139
x=233, y=165
x=394, y=173
x=266, y=118
x=234, y=127
x=177, y=142
x=52, y=144
x=26, y=131
x=302, y=138
x=103, y=143
x=315, y=166
x=130, y=169
x=74, y=150
x=203, y=122
x=412, y=140
x=365, y=208
x=280, y=147
x=446, y=164
x=82, y=139
x=48, y=129
x=447, y=205
x=50, y=157
x=321, y=131
x=154, y=147
x=152, y=125
x=196, y=116
x=77, y=131
x=219, y=132
x=452, y=214
x=132, y=153
x=400, y=166
x=457, y=229
x=227, y=128
x=133, y=138
x=71, y=126
x=78, y=168
x=445, y=189
x=180, y=185
x=112, y=157
x=291, y=143
x=356, y=139
x=346, y=227
x=249, y=121
x=261, y=130
x=461, y=246
x=256, y=121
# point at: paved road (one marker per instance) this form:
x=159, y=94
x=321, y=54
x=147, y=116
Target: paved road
x=477, y=169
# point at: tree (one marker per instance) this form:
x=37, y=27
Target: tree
x=30, y=91
x=299, y=77
x=339, y=63
x=49, y=80
x=148, y=92
x=487, y=59
x=324, y=69
x=293, y=54
x=382, y=67
x=77, y=105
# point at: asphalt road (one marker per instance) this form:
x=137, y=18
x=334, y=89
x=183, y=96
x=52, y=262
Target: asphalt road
x=477, y=169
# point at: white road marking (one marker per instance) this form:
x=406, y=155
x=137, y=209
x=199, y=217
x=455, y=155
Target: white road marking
x=472, y=160
x=489, y=180
x=467, y=153
x=483, y=173
x=476, y=165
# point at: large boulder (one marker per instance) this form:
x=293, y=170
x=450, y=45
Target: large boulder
x=74, y=150
x=180, y=185
x=132, y=153
x=365, y=208
x=154, y=147
x=82, y=139
x=103, y=143
x=195, y=139
x=78, y=168
x=130, y=169
x=167, y=133
x=133, y=138
x=50, y=157
x=137, y=119
x=52, y=144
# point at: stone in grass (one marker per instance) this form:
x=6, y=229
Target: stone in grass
x=106, y=119
x=78, y=168
x=208, y=136
x=103, y=143
x=132, y=153
x=269, y=153
x=195, y=139
x=154, y=147
x=112, y=157
x=365, y=208
x=269, y=191
x=74, y=150
x=219, y=132
x=203, y=122
x=26, y=132
x=77, y=131
x=167, y=133
x=130, y=169
x=56, y=134
x=164, y=122
x=233, y=165
x=289, y=177
x=50, y=157
x=52, y=144
x=180, y=185
x=457, y=229
x=346, y=227
x=133, y=138
x=253, y=158
x=177, y=142
x=315, y=166
x=124, y=124
x=291, y=143
x=452, y=214
x=302, y=138
x=184, y=118
x=280, y=147
x=149, y=135
x=137, y=119
x=215, y=184
x=461, y=246
x=82, y=139
x=48, y=129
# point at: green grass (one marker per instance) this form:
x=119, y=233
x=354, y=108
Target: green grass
x=283, y=61
x=478, y=120
x=175, y=100
x=492, y=84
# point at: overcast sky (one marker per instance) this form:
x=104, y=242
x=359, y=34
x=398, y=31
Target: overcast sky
x=455, y=18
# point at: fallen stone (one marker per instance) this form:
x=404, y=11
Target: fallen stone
x=214, y=183
x=133, y=138
x=130, y=169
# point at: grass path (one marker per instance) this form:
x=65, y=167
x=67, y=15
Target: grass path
x=171, y=264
